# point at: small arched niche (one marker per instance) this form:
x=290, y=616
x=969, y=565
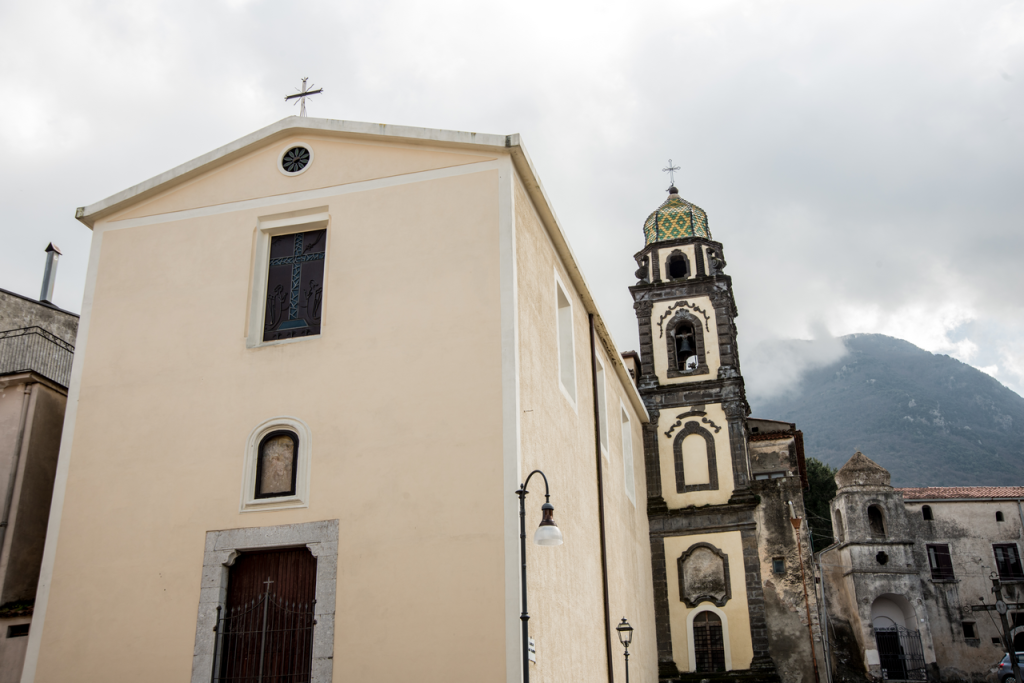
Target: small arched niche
x=840, y=532
x=926, y=513
x=876, y=521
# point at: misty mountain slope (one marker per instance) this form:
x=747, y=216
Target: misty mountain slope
x=930, y=420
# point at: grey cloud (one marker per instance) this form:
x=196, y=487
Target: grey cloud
x=848, y=154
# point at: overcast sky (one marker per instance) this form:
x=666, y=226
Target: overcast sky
x=862, y=162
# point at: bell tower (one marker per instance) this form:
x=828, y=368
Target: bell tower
x=708, y=594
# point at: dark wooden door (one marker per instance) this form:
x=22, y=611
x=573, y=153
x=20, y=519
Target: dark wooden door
x=266, y=631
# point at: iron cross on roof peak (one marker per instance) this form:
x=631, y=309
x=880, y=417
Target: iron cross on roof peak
x=671, y=170
x=302, y=94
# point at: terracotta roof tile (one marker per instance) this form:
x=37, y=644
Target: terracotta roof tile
x=933, y=492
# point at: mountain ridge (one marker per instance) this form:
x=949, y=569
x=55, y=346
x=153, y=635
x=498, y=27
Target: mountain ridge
x=929, y=419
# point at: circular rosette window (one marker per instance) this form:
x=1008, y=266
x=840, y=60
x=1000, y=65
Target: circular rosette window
x=295, y=159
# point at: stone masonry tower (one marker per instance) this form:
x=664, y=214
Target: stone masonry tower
x=708, y=592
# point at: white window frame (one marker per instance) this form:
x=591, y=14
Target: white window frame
x=267, y=228
x=628, y=464
x=725, y=634
x=300, y=499
x=566, y=342
x=602, y=405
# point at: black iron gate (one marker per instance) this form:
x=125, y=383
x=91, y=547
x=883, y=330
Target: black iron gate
x=901, y=654
x=266, y=640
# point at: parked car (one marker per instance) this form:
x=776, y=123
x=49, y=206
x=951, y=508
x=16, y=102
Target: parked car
x=1004, y=671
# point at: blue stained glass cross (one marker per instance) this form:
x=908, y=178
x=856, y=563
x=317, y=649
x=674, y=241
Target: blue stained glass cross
x=296, y=260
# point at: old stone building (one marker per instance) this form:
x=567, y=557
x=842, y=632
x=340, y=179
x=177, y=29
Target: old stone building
x=909, y=581
x=731, y=554
x=36, y=349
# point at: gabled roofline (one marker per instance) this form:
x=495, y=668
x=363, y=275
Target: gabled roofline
x=287, y=126
x=435, y=137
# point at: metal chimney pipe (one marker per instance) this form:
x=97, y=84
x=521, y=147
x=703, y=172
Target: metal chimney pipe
x=50, y=273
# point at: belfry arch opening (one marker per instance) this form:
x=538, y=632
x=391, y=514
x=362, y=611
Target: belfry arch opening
x=686, y=346
x=678, y=266
x=876, y=521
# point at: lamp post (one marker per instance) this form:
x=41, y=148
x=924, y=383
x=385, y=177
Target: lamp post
x=625, y=637
x=547, y=534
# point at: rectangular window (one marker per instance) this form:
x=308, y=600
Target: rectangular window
x=17, y=630
x=566, y=353
x=940, y=561
x=1008, y=561
x=627, y=456
x=295, y=285
x=969, y=631
x=778, y=565
x=602, y=410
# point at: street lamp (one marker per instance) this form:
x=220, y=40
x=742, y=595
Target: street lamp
x=625, y=637
x=547, y=534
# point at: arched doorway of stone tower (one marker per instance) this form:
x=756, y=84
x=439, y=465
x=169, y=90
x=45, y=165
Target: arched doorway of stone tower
x=1018, y=638
x=898, y=638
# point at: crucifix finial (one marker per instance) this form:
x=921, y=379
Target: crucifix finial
x=267, y=583
x=671, y=170
x=302, y=94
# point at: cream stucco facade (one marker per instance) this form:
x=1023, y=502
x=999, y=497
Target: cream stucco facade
x=430, y=391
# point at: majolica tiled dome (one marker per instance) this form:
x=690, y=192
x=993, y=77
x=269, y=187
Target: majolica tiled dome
x=676, y=218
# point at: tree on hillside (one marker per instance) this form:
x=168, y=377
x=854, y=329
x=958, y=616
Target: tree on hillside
x=820, y=492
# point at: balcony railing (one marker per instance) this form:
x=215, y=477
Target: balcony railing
x=36, y=350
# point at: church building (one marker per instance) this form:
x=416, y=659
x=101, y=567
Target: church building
x=313, y=371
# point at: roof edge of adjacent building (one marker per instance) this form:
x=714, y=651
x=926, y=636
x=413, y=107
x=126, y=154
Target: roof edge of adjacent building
x=948, y=494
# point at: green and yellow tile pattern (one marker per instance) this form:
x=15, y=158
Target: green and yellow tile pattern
x=674, y=219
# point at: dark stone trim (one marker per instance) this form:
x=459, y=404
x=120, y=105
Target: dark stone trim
x=698, y=254
x=705, y=392
x=677, y=450
x=643, y=271
x=735, y=411
x=652, y=463
x=662, y=622
x=674, y=255
x=655, y=266
x=674, y=370
x=694, y=520
x=755, y=602
x=704, y=598
x=648, y=379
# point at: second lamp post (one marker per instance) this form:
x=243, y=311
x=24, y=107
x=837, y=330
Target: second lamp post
x=625, y=637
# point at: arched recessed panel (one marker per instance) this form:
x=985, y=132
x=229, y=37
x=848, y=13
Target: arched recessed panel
x=695, y=460
x=701, y=476
x=840, y=531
